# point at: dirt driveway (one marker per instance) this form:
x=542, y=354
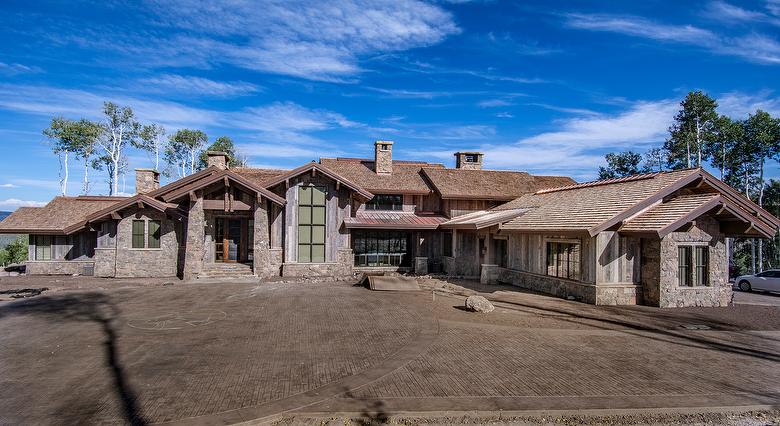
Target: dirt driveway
x=230, y=352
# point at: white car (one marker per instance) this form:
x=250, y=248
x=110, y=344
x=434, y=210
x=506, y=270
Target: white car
x=767, y=281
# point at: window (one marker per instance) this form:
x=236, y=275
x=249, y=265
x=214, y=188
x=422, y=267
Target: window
x=693, y=266
x=386, y=202
x=146, y=234
x=311, y=224
x=138, y=233
x=154, y=234
x=499, y=251
x=563, y=259
x=381, y=248
x=42, y=247
x=384, y=147
x=446, y=244
x=471, y=158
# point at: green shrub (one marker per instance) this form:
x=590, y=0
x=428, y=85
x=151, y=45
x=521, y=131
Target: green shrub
x=15, y=252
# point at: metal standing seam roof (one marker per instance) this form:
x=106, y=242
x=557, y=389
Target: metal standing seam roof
x=482, y=219
x=393, y=220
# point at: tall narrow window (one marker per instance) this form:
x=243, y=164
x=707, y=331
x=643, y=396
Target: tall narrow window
x=684, y=267
x=499, y=251
x=154, y=234
x=43, y=247
x=311, y=224
x=446, y=244
x=702, y=262
x=138, y=233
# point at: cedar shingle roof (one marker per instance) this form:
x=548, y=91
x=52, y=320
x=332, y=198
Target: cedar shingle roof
x=591, y=205
x=406, y=177
x=661, y=216
x=56, y=216
x=258, y=176
x=489, y=184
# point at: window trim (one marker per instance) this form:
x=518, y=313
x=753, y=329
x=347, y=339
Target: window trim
x=374, y=205
x=146, y=236
x=49, y=246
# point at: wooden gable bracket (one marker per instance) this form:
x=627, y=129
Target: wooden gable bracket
x=116, y=216
x=313, y=171
x=140, y=204
x=338, y=185
x=226, y=200
x=230, y=202
x=193, y=196
x=227, y=181
x=286, y=183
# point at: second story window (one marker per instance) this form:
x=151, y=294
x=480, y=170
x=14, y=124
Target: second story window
x=386, y=202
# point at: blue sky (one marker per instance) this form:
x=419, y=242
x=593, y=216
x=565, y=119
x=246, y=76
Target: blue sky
x=547, y=87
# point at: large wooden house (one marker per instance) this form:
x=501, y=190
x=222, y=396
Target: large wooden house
x=656, y=238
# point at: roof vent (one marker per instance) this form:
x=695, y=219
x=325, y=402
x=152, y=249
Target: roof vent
x=468, y=160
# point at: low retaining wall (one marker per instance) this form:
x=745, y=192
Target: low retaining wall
x=595, y=294
x=57, y=267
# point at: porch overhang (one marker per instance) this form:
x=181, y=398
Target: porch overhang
x=140, y=201
x=482, y=219
x=226, y=176
x=393, y=220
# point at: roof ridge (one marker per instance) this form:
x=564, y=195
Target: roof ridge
x=630, y=178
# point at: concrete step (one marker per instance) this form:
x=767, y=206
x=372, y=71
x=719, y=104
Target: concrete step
x=223, y=270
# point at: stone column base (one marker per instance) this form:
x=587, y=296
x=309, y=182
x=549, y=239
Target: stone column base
x=421, y=265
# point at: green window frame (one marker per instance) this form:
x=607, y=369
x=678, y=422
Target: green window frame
x=311, y=224
x=42, y=247
x=702, y=266
x=154, y=234
x=139, y=231
x=693, y=266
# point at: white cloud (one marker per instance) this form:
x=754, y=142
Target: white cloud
x=8, y=185
x=729, y=13
x=578, y=111
x=492, y=103
x=753, y=47
x=191, y=85
x=14, y=203
x=14, y=69
x=312, y=40
x=738, y=105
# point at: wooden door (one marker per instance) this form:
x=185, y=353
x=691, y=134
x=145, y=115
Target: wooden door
x=227, y=240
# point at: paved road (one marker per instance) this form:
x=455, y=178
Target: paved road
x=756, y=298
x=221, y=353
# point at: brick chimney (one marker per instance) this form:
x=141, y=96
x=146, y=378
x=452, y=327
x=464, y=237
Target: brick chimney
x=468, y=160
x=146, y=180
x=383, y=157
x=218, y=159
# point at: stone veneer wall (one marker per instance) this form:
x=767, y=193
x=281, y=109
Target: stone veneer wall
x=146, y=262
x=56, y=267
x=196, y=236
x=343, y=267
x=105, y=262
x=704, y=231
x=596, y=294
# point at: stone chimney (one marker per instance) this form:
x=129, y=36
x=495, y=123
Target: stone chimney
x=468, y=160
x=146, y=180
x=218, y=159
x=383, y=157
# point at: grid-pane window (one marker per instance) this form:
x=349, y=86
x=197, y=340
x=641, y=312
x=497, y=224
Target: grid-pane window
x=386, y=202
x=499, y=251
x=43, y=247
x=154, y=234
x=563, y=259
x=684, y=265
x=381, y=248
x=311, y=224
x=138, y=233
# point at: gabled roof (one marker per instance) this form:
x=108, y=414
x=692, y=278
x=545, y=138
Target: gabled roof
x=139, y=200
x=482, y=219
x=312, y=166
x=55, y=217
x=406, y=178
x=393, y=220
x=216, y=176
x=258, y=176
x=601, y=205
x=466, y=184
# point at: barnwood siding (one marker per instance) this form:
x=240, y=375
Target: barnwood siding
x=618, y=258
x=337, y=208
x=528, y=253
x=454, y=208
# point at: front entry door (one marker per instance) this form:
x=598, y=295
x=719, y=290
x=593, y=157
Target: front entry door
x=227, y=240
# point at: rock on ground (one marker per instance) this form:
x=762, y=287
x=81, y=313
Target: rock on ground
x=479, y=304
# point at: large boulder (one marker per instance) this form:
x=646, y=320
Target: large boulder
x=479, y=304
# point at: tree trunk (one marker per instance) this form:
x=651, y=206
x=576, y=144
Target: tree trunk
x=85, y=188
x=761, y=204
x=115, y=176
x=698, y=140
x=688, y=148
x=64, y=181
x=723, y=161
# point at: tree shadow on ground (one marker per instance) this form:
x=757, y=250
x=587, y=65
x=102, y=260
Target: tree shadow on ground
x=94, y=308
x=372, y=413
